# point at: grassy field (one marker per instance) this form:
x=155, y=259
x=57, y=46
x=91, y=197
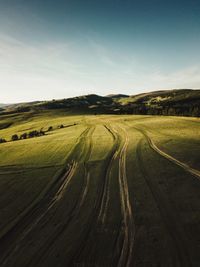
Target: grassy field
x=120, y=190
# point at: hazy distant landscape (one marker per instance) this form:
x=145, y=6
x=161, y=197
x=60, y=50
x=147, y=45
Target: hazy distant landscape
x=84, y=183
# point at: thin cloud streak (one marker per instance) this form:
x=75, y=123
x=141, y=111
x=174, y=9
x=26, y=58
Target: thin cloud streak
x=58, y=69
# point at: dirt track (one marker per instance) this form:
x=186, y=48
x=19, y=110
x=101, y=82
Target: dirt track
x=183, y=165
x=168, y=215
x=40, y=213
x=127, y=248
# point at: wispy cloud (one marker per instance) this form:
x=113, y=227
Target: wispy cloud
x=37, y=71
x=42, y=58
x=188, y=77
x=64, y=69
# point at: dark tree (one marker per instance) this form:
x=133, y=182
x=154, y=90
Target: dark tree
x=33, y=134
x=24, y=136
x=2, y=140
x=41, y=132
x=15, y=137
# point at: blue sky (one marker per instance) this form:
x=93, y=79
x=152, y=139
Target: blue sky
x=56, y=49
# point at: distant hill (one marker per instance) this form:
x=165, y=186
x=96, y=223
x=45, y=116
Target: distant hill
x=184, y=102
x=115, y=96
x=180, y=102
x=2, y=105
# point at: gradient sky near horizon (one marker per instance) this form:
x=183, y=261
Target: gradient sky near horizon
x=58, y=49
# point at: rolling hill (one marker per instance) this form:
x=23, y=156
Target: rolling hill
x=181, y=102
x=185, y=102
x=2, y=105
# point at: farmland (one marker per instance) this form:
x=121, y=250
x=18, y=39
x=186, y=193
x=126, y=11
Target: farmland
x=103, y=190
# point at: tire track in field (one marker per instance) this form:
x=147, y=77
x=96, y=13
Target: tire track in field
x=86, y=157
x=86, y=170
x=66, y=180
x=53, y=199
x=186, y=167
x=106, y=189
x=100, y=204
x=47, y=192
x=59, y=194
x=168, y=215
x=74, y=210
x=85, y=191
x=128, y=223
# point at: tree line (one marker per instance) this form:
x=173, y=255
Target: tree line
x=31, y=134
x=173, y=110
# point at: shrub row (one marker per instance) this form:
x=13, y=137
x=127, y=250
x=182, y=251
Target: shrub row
x=31, y=134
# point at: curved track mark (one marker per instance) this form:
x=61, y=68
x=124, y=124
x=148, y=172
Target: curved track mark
x=168, y=215
x=63, y=184
x=86, y=171
x=187, y=168
x=128, y=223
x=76, y=208
x=105, y=196
x=66, y=180
x=45, y=193
x=85, y=191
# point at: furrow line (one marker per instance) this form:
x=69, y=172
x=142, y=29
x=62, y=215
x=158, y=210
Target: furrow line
x=66, y=179
x=52, y=198
x=168, y=216
x=105, y=197
x=75, y=209
x=194, y=172
x=46, y=192
x=128, y=223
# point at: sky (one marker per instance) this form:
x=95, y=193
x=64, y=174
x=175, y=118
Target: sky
x=57, y=49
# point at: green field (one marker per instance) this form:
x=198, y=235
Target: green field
x=104, y=190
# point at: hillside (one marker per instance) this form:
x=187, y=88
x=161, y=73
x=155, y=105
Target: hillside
x=181, y=102
x=2, y=105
